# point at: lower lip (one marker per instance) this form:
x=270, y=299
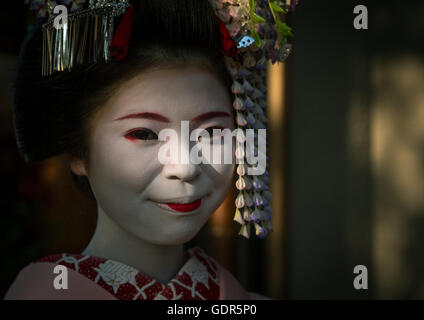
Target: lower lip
x=185, y=207
x=181, y=209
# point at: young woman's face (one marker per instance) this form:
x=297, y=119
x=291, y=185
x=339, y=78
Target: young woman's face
x=159, y=203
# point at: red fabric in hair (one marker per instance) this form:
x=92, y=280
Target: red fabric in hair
x=121, y=39
x=228, y=46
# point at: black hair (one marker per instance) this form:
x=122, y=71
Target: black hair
x=51, y=113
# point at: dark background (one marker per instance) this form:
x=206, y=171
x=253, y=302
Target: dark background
x=352, y=138
x=355, y=150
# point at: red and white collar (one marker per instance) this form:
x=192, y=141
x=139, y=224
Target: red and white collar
x=196, y=280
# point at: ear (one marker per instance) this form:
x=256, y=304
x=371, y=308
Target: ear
x=78, y=166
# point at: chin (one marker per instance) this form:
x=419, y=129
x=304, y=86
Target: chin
x=170, y=234
x=177, y=238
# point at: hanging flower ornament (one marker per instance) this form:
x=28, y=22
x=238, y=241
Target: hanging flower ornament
x=253, y=32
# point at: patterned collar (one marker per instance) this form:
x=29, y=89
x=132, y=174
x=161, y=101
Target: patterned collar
x=196, y=280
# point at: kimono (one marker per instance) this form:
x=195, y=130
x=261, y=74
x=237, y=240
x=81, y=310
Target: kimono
x=94, y=278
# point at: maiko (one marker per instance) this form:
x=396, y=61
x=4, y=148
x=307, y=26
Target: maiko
x=184, y=310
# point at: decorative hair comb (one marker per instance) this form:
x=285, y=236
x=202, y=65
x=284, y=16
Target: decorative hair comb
x=86, y=37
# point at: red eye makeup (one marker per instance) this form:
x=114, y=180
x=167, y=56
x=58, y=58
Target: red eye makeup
x=141, y=134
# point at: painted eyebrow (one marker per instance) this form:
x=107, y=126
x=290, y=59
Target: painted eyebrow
x=161, y=118
x=210, y=115
x=145, y=115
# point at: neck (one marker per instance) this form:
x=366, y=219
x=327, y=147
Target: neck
x=110, y=241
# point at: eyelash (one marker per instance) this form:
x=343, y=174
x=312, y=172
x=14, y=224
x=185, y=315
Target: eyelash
x=131, y=135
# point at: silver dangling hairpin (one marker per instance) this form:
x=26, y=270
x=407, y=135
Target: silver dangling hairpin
x=84, y=38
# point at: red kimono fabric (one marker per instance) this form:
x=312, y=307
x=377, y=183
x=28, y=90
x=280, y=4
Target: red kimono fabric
x=93, y=278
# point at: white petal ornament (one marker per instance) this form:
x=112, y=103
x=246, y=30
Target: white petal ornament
x=241, y=170
x=257, y=199
x=241, y=120
x=260, y=232
x=240, y=152
x=240, y=201
x=245, y=231
x=240, y=136
x=238, y=218
x=240, y=184
x=246, y=214
x=238, y=104
x=257, y=184
x=237, y=88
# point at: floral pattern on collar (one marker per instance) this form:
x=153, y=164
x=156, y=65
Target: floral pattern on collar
x=196, y=280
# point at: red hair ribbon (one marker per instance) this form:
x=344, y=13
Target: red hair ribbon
x=121, y=39
x=228, y=46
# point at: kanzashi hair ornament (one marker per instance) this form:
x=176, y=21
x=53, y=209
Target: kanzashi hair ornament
x=252, y=33
x=85, y=38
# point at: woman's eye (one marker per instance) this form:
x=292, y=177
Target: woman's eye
x=213, y=135
x=142, y=134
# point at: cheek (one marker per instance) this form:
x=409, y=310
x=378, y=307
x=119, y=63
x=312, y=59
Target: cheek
x=222, y=173
x=120, y=164
x=222, y=179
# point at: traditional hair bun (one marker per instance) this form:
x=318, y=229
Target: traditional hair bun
x=48, y=109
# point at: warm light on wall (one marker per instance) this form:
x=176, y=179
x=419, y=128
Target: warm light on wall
x=221, y=220
x=275, y=94
x=275, y=243
x=397, y=138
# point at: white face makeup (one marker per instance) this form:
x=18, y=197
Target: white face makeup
x=161, y=204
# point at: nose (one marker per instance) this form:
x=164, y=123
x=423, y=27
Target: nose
x=181, y=167
x=183, y=172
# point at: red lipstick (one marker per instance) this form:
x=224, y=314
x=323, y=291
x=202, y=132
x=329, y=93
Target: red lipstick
x=185, y=207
